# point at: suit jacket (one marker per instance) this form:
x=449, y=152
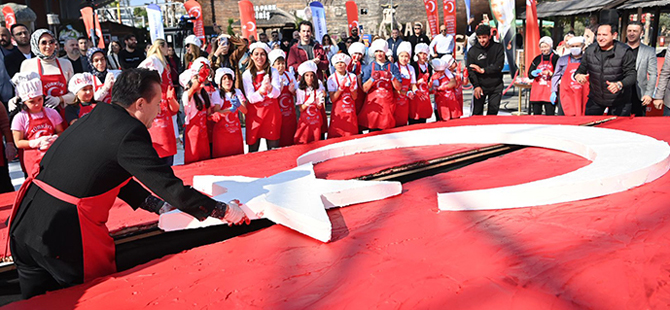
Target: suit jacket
x=646, y=67
x=100, y=151
x=662, y=92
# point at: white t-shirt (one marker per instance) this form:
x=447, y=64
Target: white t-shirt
x=21, y=120
x=332, y=83
x=218, y=101
x=407, y=72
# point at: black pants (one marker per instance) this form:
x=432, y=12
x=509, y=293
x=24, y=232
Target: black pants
x=39, y=274
x=5, y=180
x=637, y=108
x=549, y=108
x=593, y=108
x=417, y=121
x=494, y=95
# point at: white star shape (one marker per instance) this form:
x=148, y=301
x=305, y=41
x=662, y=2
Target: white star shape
x=295, y=198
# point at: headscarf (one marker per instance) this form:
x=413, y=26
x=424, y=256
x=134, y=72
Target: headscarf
x=101, y=75
x=35, y=44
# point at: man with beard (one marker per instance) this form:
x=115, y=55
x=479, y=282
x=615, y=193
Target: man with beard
x=485, y=63
x=130, y=57
x=6, y=45
x=21, y=36
x=307, y=49
x=354, y=35
x=74, y=56
x=645, y=66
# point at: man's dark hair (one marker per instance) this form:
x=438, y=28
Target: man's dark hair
x=636, y=23
x=613, y=28
x=306, y=22
x=11, y=29
x=483, y=29
x=133, y=84
x=82, y=38
x=571, y=33
x=128, y=37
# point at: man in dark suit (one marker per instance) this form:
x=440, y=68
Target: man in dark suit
x=57, y=232
x=646, y=67
x=21, y=36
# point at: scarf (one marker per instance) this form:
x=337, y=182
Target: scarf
x=35, y=44
x=101, y=75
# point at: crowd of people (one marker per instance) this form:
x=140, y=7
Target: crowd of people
x=279, y=89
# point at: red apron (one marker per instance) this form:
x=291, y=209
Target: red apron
x=343, y=119
x=227, y=137
x=54, y=85
x=263, y=118
x=98, y=247
x=96, y=86
x=541, y=87
x=40, y=127
x=162, y=130
x=196, y=140
x=309, y=125
x=401, y=113
x=377, y=112
x=289, y=121
x=420, y=107
x=360, y=100
x=573, y=95
x=85, y=109
x=446, y=101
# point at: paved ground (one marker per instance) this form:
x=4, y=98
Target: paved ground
x=508, y=105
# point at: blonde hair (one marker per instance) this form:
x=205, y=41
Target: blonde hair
x=155, y=49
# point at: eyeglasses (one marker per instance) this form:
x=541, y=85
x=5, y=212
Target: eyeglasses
x=49, y=42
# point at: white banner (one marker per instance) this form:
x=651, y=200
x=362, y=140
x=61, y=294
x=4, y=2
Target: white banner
x=319, y=20
x=155, y=22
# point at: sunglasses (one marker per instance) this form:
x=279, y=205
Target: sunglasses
x=350, y=42
x=49, y=42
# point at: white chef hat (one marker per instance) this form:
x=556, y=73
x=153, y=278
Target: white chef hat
x=307, y=66
x=185, y=77
x=379, y=45
x=276, y=54
x=192, y=39
x=356, y=47
x=547, y=40
x=404, y=47
x=422, y=48
x=28, y=85
x=448, y=59
x=220, y=72
x=198, y=63
x=260, y=45
x=439, y=64
x=79, y=81
x=576, y=40
x=341, y=57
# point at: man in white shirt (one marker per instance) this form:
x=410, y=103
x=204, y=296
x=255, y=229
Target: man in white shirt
x=442, y=43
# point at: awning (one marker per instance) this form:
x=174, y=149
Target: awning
x=635, y=4
x=574, y=7
x=278, y=19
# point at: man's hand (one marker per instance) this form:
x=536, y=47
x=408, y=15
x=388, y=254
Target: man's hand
x=646, y=100
x=316, y=60
x=478, y=92
x=582, y=78
x=613, y=87
x=10, y=151
x=477, y=68
x=658, y=103
x=234, y=214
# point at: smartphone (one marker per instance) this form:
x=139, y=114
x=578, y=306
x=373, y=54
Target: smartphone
x=485, y=16
x=360, y=27
x=223, y=40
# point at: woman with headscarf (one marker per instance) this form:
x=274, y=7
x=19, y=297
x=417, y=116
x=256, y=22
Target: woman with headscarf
x=104, y=80
x=162, y=129
x=54, y=73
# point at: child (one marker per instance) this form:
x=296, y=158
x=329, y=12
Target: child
x=343, y=90
x=311, y=98
x=196, y=103
x=35, y=127
x=445, y=84
x=406, y=92
x=289, y=121
x=81, y=85
x=227, y=137
x=420, y=108
x=357, y=50
x=380, y=80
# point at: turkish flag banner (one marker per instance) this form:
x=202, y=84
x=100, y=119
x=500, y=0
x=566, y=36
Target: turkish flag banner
x=10, y=17
x=431, y=11
x=352, y=15
x=531, y=46
x=89, y=21
x=248, y=19
x=195, y=10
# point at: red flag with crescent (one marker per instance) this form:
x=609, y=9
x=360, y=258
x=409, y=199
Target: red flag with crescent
x=431, y=12
x=10, y=17
x=89, y=21
x=531, y=46
x=195, y=10
x=449, y=7
x=248, y=19
x=352, y=14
